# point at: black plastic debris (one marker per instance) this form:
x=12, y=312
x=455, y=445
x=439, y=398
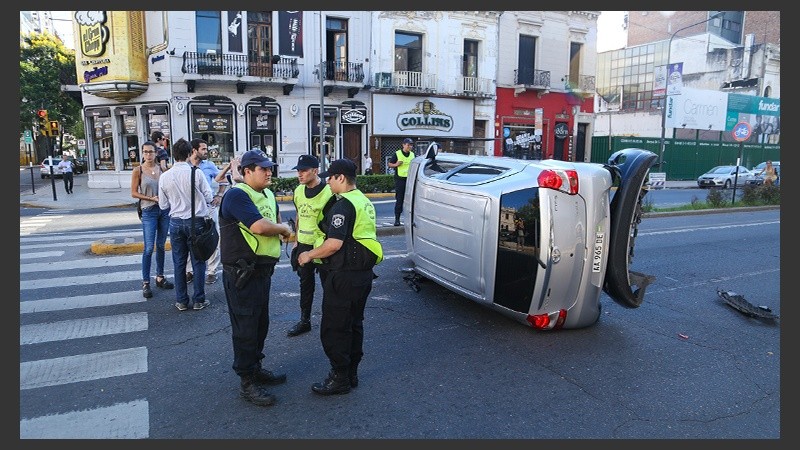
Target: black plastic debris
x=740, y=304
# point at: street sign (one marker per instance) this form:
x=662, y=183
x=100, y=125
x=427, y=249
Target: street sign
x=28, y=136
x=741, y=132
x=81, y=144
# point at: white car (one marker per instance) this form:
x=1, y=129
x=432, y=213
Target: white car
x=536, y=240
x=44, y=167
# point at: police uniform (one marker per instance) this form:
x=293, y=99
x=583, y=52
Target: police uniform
x=351, y=219
x=309, y=204
x=248, y=261
x=400, y=177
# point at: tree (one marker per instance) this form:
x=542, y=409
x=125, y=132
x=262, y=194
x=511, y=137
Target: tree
x=45, y=64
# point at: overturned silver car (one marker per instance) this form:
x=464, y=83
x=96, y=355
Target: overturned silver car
x=537, y=240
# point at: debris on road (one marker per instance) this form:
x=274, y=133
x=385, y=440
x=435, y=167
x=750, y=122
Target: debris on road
x=739, y=303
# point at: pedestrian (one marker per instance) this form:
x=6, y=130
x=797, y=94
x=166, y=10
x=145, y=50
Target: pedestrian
x=367, y=164
x=229, y=175
x=400, y=161
x=162, y=156
x=199, y=159
x=349, y=253
x=174, y=194
x=310, y=197
x=155, y=221
x=519, y=231
x=769, y=172
x=250, y=237
x=66, y=172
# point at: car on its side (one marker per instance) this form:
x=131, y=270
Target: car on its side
x=724, y=177
x=536, y=240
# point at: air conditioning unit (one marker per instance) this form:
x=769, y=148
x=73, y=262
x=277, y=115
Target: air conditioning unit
x=383, y=80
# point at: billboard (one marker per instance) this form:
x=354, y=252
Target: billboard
x=697, y=109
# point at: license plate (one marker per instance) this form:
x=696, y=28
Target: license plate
x=597, y=252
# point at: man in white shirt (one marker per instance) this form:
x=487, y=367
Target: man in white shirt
x=174, y=193
x=66, y=171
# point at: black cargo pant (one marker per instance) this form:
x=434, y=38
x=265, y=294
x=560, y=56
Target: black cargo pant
x=248, y=309
x=67, y=181
x=399, y=195
x=307, y=281
x=344, y=297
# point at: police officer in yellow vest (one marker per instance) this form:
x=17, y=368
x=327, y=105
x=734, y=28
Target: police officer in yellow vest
x=349, y=252
x=400, y=162
x=250, y=246
x=310, y=197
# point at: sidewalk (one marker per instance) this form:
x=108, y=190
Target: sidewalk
x=85, y=198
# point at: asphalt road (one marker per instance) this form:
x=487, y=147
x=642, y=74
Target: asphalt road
x=684, y=365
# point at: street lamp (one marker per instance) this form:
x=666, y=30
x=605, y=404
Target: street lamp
x=666, y=91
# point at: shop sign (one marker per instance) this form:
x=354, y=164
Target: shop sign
x=424, y=116
x=353, y=116
x=561, y=130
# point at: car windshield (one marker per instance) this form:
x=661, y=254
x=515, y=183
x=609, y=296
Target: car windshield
x=722, y=169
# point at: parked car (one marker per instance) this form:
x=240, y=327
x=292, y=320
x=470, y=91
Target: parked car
x=724, y=177
x=79, y=167
x=536, y=240
x=758, y=179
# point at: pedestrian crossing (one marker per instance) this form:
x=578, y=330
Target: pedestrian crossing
x=49, y=265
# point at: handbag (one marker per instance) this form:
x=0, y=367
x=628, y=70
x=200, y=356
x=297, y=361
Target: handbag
x=204, y=244
x=139, y=203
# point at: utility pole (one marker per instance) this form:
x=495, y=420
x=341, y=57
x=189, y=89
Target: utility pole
x=322, y=162
x=666, y=91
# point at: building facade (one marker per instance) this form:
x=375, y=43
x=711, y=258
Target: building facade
x=476, y=82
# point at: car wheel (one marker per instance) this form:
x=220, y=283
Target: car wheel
x=727, y=184
x=623, y=285
x=42, y=175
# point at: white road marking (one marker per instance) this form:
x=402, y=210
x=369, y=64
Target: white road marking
x=82, y=328
x=77, y=368
x=121, y=421
x=83, y=301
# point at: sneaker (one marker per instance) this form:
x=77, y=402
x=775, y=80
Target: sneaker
x=200, y=305
x=146, y=291
x=181, y=306
x=164, y=283
x=397, y=223
x=211, y=278
x=189, y=277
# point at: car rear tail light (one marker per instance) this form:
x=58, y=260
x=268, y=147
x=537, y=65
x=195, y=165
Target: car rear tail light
x=560, y=180
x=551, y=321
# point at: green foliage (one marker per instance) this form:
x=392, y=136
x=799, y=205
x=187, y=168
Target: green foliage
x=761, y=195
x=45, y=64
x=716, y=198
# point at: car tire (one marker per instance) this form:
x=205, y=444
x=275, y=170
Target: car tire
x=727, y=184
x=626, y=213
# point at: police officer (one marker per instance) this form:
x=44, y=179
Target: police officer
x=310, y=197
x=250, y=246
x=400, y=162
x=349, y=252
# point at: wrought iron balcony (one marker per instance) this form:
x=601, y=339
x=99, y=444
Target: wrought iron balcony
x=346, y=72
x=234, y=65
x=532, y=78
x=585, y=84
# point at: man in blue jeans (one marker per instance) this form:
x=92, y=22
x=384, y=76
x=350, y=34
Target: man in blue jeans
x=174, y=193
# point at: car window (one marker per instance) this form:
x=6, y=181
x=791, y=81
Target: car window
x=721, y=169
x=458, y=172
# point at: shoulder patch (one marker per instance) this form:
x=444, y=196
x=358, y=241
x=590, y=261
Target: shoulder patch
x=337, y=220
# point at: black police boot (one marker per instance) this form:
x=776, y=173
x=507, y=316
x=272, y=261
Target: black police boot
x=397, y=221
x=255, y=394
x=353, y=375
x=303, y=326
x=263, y=376
x=338, y=382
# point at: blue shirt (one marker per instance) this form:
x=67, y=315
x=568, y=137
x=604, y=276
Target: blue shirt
x=210, y=170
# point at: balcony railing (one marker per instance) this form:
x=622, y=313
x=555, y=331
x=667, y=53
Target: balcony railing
x=348, y=72
x=532, y=78
x=477, y=86
x=406, y=80
x=238, y=66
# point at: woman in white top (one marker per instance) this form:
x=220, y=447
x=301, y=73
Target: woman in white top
x=155, y=221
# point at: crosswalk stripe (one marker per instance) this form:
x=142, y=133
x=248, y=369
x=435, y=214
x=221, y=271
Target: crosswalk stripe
x=79, y=236
x=112, y=277
x=55, y=254
x=83, y=301
x=82, y=328
x=129, y=420
x=82, y=263
x=41, y=244
x=86, y=367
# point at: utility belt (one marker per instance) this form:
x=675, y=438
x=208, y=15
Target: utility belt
x=242, y=271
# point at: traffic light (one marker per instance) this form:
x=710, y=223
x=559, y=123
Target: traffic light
x=54, y=131
x=44, y=122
